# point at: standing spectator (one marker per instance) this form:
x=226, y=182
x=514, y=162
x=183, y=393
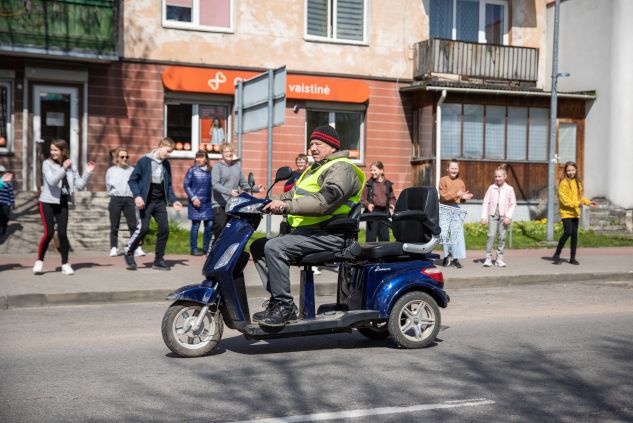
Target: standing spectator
x=227, y=179
x=7, y=199
x=570, y=197
x=497, y=210
x=121, y=199
x=217, y=134
x=59, y=181
x=302, y=163
x=197, y=185
x=452, y=193
x=378, y=197
x=150, y=183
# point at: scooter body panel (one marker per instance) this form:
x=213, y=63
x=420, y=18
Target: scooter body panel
x=202, y=293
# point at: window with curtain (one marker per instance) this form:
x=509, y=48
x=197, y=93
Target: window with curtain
x=517, y=133
x=209, y=15
x=342, y=20
x=423, y=146
x=441, y=19
x=483, y=21
x=539, y=134
x=495, y=132
x=473, y=131
x=451, y=130
x=348, y=124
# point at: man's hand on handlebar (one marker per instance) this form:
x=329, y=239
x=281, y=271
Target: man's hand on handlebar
x=275, y=207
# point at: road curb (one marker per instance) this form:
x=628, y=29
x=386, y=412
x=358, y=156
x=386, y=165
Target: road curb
x=322, y=289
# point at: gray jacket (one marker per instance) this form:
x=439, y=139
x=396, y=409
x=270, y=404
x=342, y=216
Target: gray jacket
x=52, y=176
x=338, y=183
x=224, y=179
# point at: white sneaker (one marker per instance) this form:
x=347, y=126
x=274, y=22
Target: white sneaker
x=487, y=263
x=114, y=251
x=316, y=270
x=37, y=267
x=67, y=269
x=500, y=263
x=139, y=252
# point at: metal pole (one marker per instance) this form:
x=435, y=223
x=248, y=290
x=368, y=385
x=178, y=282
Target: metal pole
x=438, y=141
x=269, y=172
x=240, y=116
x=552, y=129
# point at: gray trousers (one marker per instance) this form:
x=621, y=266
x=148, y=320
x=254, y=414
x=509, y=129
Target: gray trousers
x=496, y=227
x=272, y=255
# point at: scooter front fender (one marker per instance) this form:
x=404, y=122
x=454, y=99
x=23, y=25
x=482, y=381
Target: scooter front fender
x=197, y=293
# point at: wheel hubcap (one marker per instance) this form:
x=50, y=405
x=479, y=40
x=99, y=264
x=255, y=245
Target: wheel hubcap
x=416, y=320
x=185, y=334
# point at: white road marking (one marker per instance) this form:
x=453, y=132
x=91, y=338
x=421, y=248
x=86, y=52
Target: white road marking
x=350, y=414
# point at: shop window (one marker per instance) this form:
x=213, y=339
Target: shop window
x=348, y=124
x=497, y=133
x=483, y=21
x=336, y=20
x=6, y=104
x=205, y=15
x=196, y=126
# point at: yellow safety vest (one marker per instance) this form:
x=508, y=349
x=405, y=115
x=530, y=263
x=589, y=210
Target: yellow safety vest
x=310, y=186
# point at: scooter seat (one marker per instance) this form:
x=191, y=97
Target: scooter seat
x=377, y=250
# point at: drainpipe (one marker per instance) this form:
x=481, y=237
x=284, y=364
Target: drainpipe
x=438, y=140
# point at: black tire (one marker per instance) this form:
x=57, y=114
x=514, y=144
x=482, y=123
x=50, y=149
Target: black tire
x=414, y=320
x=208, y=335
x=375, y=330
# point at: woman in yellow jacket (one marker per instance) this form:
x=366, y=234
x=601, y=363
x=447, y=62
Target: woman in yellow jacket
x=570, y=197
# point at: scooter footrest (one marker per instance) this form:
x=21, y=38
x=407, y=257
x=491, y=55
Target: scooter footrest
x=325, y=308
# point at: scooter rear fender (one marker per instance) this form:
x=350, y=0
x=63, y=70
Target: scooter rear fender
x=198, y=293
x=392, y=289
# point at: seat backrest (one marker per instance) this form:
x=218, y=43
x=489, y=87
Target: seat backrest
x=417, y=229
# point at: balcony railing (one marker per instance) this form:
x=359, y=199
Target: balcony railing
x=474, y=60
x=82, y=27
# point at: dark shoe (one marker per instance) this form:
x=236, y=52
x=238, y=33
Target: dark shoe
x=261, y=315
x=556, y=260
x=456, y=263
x=130, y=264
x=160, y=265
x=447, y=261
x=280, y=315
x=573, y=261
x=197, y=253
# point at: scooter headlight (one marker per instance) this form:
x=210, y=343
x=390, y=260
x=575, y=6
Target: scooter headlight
x=234, y=202
x=226, y=256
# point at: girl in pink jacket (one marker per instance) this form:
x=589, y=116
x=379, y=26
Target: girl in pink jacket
x=497, y=209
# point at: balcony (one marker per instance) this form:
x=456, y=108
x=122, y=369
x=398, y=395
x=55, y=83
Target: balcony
x=488, y=62
x=83, y=29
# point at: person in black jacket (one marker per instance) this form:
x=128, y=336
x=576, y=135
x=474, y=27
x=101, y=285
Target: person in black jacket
x=151, y=187
x=378, y=197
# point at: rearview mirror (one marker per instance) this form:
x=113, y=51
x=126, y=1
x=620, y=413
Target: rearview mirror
x=283, y=174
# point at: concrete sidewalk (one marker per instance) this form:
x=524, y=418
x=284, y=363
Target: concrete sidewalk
x=99, y=278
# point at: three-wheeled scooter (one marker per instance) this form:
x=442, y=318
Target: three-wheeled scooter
x=384, y=288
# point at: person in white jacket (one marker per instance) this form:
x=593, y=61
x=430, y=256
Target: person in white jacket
x=497, y=210
x=59, y=181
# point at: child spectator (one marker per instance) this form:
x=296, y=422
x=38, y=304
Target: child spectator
x=150, y=183
x=570, y=197
x=452, y=193
x=197, y=185
x=497, y=210
x=59, y=181
x=7, y=199
x=378, y=197
x=121, y=199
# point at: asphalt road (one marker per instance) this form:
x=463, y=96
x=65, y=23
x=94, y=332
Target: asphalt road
x=528, y=353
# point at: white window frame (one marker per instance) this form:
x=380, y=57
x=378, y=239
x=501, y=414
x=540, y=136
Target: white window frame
x=482, y=20
x=195, y=127
x=332, y=29
x=8, y=84
x=194, y=25
x=340, y=108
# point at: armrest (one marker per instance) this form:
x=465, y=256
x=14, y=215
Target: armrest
x=373, y=217
x=408, y=215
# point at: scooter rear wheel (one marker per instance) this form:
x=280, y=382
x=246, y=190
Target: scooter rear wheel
x=178, y=332
x=414, y=320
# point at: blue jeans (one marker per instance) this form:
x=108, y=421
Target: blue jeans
x=193, y=235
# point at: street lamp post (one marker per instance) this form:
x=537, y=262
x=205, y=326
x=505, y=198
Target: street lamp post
x=552, y=131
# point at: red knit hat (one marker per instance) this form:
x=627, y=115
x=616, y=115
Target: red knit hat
x=327, y=134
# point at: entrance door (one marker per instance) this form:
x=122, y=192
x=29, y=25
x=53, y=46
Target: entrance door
x=55, y=115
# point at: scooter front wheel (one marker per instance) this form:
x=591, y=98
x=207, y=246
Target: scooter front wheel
x=181, y=334
x=414, y=320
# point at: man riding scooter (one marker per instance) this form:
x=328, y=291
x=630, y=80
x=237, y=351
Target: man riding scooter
x=327, y=190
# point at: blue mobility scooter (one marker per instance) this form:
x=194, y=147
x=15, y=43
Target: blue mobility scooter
x=384, y=288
